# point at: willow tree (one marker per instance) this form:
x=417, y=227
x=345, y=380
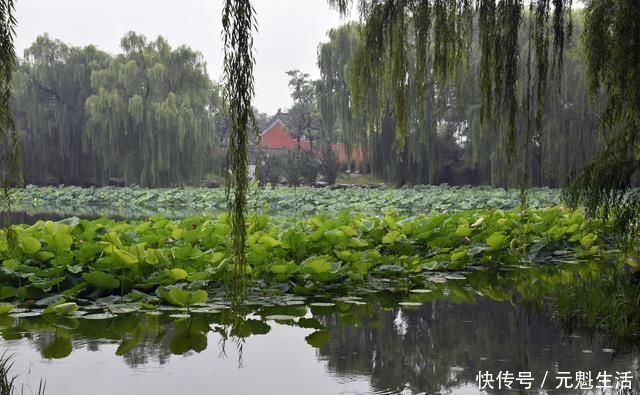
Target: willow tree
x=49, y=93
x=612, y=28
x=333, y=93
x=9, y=140
x=447, y=140
x=148, y=118
x=431, y=41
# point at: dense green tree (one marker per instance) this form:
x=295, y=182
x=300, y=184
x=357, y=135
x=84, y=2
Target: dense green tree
x=304, y=121
x=334, y=96
x=612, y=49
x=50, y=90
x=447, y=140
x=149, y=118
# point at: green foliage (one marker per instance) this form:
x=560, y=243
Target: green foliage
x=271, y=169
x=179, y=257
x=329, y=165
x=6, y=308
x=443, y=40
x=308, y=167
x=303, y=115
x=604, y=187
x=292, y=172
x=182, y=297
x=9, y=138
x=149, y=116
x=607, y=302
x=65, y=308
x=180, y=202
x=6, y=382
x=451, y=138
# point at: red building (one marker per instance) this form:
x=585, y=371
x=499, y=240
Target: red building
x=275, y=137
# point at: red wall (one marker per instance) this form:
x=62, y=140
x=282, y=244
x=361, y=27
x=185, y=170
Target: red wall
x=278, y=137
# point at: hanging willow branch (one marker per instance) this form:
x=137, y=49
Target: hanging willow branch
x=238, y=21
x=442, y=40
x=9, y=140
x=612, y=49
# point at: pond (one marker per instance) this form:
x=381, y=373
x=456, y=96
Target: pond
x=431, y=340
x=480, y=325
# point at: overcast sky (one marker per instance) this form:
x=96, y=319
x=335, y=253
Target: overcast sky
x=288, y=36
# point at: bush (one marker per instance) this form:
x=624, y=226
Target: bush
x=329, y=164
x=271, y=170
x=309, y=167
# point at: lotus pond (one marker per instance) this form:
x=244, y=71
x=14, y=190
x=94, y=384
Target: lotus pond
x=377, y=291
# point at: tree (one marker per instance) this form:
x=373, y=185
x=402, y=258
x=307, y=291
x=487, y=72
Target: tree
x=49, y=93
x=150, y=116
x=329, y=164
x=9, y=139
x=447, y=140
x=613, y=60
x=303, y=115
x=150, y=108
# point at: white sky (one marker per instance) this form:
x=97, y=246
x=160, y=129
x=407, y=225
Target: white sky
x=288, y=36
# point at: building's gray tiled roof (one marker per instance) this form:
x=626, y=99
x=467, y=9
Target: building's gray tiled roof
x=283, y=116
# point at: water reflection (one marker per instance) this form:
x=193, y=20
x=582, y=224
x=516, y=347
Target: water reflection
x=436, y=341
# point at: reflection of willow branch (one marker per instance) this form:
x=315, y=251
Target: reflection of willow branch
x=239, y=347
x=227, y=333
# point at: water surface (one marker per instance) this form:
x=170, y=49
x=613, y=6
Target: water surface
x=294, y=345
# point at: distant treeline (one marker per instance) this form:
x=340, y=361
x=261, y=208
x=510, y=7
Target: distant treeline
x=446, y=139
x=149, y=116
x=152, y=116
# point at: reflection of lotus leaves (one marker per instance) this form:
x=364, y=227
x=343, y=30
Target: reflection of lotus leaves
x=59, y=348
x=204, y=310
x=310, y=323
x=258, y=327
x=318, y=339
x=188, y=337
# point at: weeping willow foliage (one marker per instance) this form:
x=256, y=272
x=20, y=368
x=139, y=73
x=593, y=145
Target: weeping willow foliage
x=612, y=47
x=333, y=93
x=448, y=140
x=512, y=109
x=443, y=39
x=49, y=92
x=9, y=140
x=149, y=116
x=238, y=21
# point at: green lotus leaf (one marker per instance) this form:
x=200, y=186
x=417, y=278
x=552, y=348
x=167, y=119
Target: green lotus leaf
x=101, y=280
x=30, y=245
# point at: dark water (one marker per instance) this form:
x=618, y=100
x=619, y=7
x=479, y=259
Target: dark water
x=280, y=346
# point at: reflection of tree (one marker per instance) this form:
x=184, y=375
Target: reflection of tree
x=435, y=347
x=442, y=345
